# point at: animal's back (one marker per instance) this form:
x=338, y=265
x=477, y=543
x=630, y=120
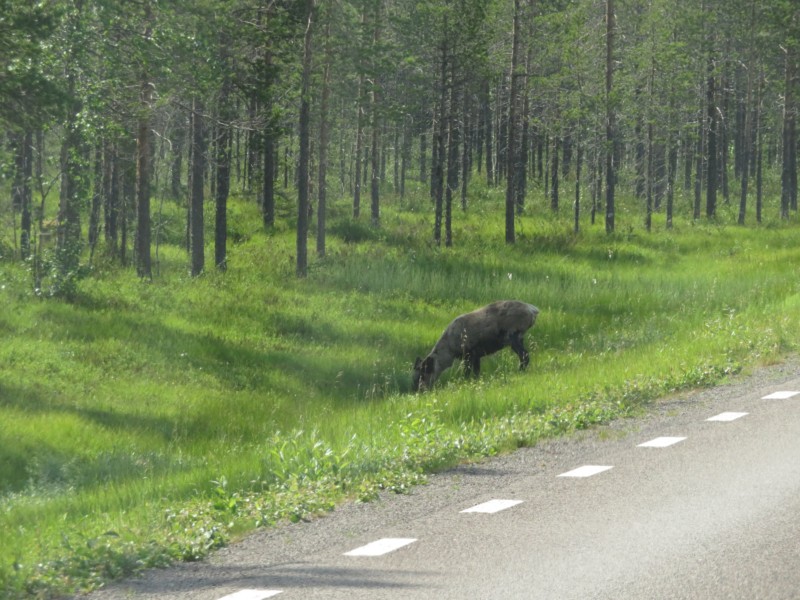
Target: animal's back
x=490, y=326
x=510, y=315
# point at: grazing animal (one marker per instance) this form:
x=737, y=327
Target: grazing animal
x=474, y=335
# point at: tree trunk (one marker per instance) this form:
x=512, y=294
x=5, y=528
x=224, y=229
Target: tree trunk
x=758, y=148
x=789, y=162
x=597, y=196
x=453, y=142
x=486, y=109
x=521, y=169
x=641, y=153
x=554, y=174
x=287, y=158
x=501, y=130
x=345, y=178
x=745, y=149
x=112, y=198
x=578, y=165
x=423, y=153
x=688, y=161
x=648, y=219
x=672, y=168
x=566, y=155
x=144, y=167
x=511, y=148
x=466, y=153
x=396, y=152
x=438, y=163
x=375, y=168
x=22, y=190
x=359, y=143
x=303, y=165
x=610, y=117
x=97, y=197
x=268, y=187
x=223, y=180
x=546, y=172
x=359, y=152
x=698, y=177
x=127, y=200
x=539, y=154
x=251, y=152
x=480, y=130
x=723, y=135
x=323, y=144
x=406, y=155
x=143, y=171
x=434, y=150
x=196, y=221
x=711, y=172
x=178, y=142
x=69, y=226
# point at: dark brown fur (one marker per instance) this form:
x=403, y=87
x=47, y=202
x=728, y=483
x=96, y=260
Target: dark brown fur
x=474, y=335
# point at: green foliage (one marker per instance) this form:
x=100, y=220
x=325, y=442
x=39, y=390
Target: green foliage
x=28, y=93
x=56, y=273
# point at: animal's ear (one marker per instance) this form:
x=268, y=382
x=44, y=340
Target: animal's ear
x=427, y=365
x=418, y=364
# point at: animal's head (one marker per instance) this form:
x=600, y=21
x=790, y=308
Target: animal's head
x=422, y=378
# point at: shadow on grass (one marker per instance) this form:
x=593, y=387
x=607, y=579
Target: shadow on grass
x=313, y=361
x=25, y=461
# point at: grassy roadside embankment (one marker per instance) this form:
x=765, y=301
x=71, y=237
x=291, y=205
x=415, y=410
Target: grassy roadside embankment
x=149, y=422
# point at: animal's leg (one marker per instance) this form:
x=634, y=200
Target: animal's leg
x=475, y=366
x=472, y=364
x=466, y=364
x=518, y=346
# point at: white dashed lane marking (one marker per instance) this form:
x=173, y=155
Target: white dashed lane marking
x=251, y=595
x=382, y=546
x=492, y=506
x=586, y=471
x=661, y=442
x=727, y=416
x=780, y=395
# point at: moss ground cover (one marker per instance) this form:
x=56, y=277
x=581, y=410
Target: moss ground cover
x=143, y=423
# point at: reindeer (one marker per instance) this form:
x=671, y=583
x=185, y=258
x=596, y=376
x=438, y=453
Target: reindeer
x=473, y=335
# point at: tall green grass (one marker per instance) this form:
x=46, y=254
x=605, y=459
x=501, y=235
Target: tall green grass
x=148, y=422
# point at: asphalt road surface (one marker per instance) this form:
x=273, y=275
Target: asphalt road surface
x=709, y=509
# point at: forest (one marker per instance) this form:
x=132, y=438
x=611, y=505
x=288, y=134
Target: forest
x=112, y=108
x=228, y=227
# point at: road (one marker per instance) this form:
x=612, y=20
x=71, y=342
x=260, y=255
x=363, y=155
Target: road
x=710, y=509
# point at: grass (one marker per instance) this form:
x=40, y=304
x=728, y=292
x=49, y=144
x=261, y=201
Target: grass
x=143, y=423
